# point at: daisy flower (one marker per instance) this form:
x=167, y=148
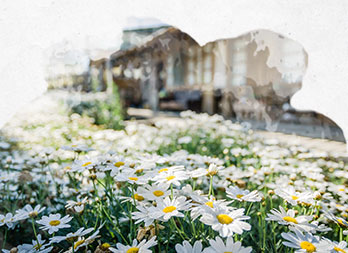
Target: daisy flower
x=218, y=246
x=212, y=170
x=142, y=247
x=288, y=218
x=78, y=206
x=143, y=215
x=27, y=211
x=186, y=247
x=226, y=222
x=172, y=176
x=294, y=197
x=36, y=246
x=202, y=202
x=54, y=222
x=305, y=242
x=339, y=221
x=115, y=165
x=9, y=220
x=131, y=177
x=82, y=242
x=236, y=193
x=169, y=208
x=338, y=247
x=79, y=233
x=154, y=192
x=77, y=148
x=82, y=165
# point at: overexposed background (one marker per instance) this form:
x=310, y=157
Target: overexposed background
x=30, y=31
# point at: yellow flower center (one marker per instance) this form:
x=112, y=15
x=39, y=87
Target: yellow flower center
x=133, y=178
x=158, y=193
x=118, y=164
x=38, y=246
x=78, y=243
x=33, y=214
x=294, y=197
x=139, y=170
x=170, y=178
x=54, y=222
x=341, y=222
x=86, y=164
x=309, y=247
x=169, y=209
x=211, y=173
x=133, y=250
x=67, y=168
x=224, y=219
x=138, y=197
x=341, y=189
x=162, y=170
x=239, y=196
x=105, y=246
x=290, y=219
x=339, y=250
x=210, y=204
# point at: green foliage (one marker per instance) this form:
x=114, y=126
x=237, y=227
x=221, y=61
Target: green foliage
x=107, y=112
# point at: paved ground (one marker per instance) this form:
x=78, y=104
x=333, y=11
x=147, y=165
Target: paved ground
x=337, y=148
x=49, y=102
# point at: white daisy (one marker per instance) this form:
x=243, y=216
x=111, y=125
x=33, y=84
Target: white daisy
x=131, y=177
x=294, y=197
x=54, y=222
x=9, y=220
x=169, y=208
x=82, y=242
x=338, y=247
x=236, y=193
x=154, y=192
x=288, y=218
x=27, y=211
x=38, y=245
x=82, y=165
x=202, y=202
x=186, y=247
x=142, y=247
x=305, y=242
x=172, y=176
x=79, y=233
x=226, y=222
x=78, y=206
x=218, y=246
x=143, y=215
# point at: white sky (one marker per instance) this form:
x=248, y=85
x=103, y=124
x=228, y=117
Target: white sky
x=29, y=28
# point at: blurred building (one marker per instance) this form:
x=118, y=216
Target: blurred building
x=251, y=77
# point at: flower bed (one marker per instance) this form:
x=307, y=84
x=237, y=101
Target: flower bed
x=200, y=184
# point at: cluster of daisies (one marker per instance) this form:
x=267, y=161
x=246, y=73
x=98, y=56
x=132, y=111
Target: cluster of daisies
x=200, y=185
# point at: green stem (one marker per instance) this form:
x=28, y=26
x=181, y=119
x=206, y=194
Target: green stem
x=33, y=225
x=179, y=231
x=5, y=238
x=211, y=191
x=171, y=191
x=249, y=208
x=112, y=222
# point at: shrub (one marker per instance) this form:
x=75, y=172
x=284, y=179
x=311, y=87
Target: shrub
x=106, y=111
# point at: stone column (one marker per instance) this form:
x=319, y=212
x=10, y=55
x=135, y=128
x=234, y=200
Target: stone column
x=153, y=92
x=208, y=99
x=109, y=76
